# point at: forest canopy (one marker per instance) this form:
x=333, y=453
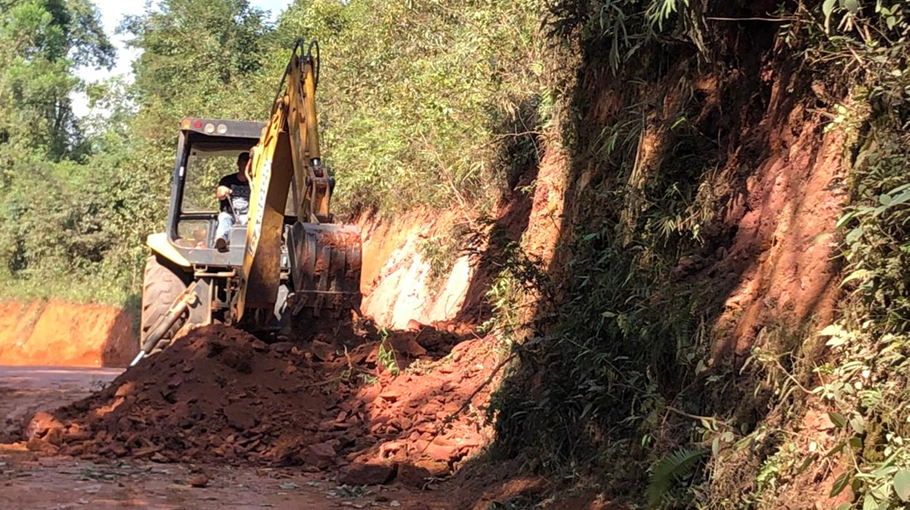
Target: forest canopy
x=414, y=98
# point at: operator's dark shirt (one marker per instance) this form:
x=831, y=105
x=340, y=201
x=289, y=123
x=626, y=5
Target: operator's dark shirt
x=240, y=194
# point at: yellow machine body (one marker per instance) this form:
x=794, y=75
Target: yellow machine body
x=325, y=257
x=295, y=260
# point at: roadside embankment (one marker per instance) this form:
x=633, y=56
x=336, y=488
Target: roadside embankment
x=55, y=333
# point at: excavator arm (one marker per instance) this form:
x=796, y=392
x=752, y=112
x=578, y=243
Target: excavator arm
x=324, y=257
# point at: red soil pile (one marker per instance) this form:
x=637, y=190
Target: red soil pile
x=221, y=394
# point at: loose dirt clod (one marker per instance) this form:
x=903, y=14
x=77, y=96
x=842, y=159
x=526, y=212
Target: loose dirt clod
x=199, y=481
x=220, y=393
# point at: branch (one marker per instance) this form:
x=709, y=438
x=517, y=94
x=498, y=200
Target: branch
x=772, y=20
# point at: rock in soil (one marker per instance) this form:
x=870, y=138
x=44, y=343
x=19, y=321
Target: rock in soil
x=199, y=481
x=367, y=473
x=320, y=455
x=220, y=394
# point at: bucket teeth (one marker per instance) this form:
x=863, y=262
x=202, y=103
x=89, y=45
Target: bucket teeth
x=325, y=268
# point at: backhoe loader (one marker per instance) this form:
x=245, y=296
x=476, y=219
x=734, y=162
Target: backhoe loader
x=291, y=264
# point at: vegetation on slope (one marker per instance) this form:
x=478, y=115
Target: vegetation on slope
x=627, y=385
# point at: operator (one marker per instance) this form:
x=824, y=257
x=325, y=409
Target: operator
x=234, y=193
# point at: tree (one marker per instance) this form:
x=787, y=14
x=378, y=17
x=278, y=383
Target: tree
x=199, y=57
x=41, y=44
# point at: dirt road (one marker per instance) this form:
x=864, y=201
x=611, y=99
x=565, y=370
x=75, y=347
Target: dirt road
x=28, y=481
x=26, y=390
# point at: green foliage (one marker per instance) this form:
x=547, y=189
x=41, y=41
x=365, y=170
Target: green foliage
x=200, y=58
x=877, y=245
x=632, y=336
x=418, y=102
x=441, y=252
x=415, y=97
x=519, y=282
x=625, y=27
x=865, y=379
x=41, y=42
x=673, y=467
x=386, y=355
x=58, y=218
x=626, y=337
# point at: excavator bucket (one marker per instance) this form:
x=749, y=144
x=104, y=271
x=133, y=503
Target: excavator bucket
x=325, y=261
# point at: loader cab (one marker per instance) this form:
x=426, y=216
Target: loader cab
x=207, y=150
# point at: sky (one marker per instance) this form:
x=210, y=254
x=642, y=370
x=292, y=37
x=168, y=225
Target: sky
x=112, y=12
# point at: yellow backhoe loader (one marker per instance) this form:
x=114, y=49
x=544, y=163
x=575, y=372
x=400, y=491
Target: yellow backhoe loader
x=291, y=264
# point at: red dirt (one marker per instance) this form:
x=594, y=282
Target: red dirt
x=396, y=276
x=221, y=394
x=27, y=390
x=56, y=333
x=782, y=262
x=30, y=479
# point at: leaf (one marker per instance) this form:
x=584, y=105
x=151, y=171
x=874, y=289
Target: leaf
x=882, y=472
x=587, y=409
x=805, y=465
x=837, y=449
x=869, y=502
x=839, y=420
x=672, y=467
x=828, y=8
x=854, y=235
x=845, y=219
x=832, y=330
x=715, y=446
x=859, y=274
x=884, y=199
x=851, y=5
x=857, y=423
x=900, y=199
x=840, y=484
x=879, y=210
x=902, y=484
x=836, y=341
x=882, y=493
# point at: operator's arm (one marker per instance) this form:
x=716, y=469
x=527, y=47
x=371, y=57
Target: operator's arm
x=222, y=191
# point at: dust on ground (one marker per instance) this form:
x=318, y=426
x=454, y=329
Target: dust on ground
x=28, y=481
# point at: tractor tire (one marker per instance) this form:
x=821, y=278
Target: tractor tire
x=161, y=286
